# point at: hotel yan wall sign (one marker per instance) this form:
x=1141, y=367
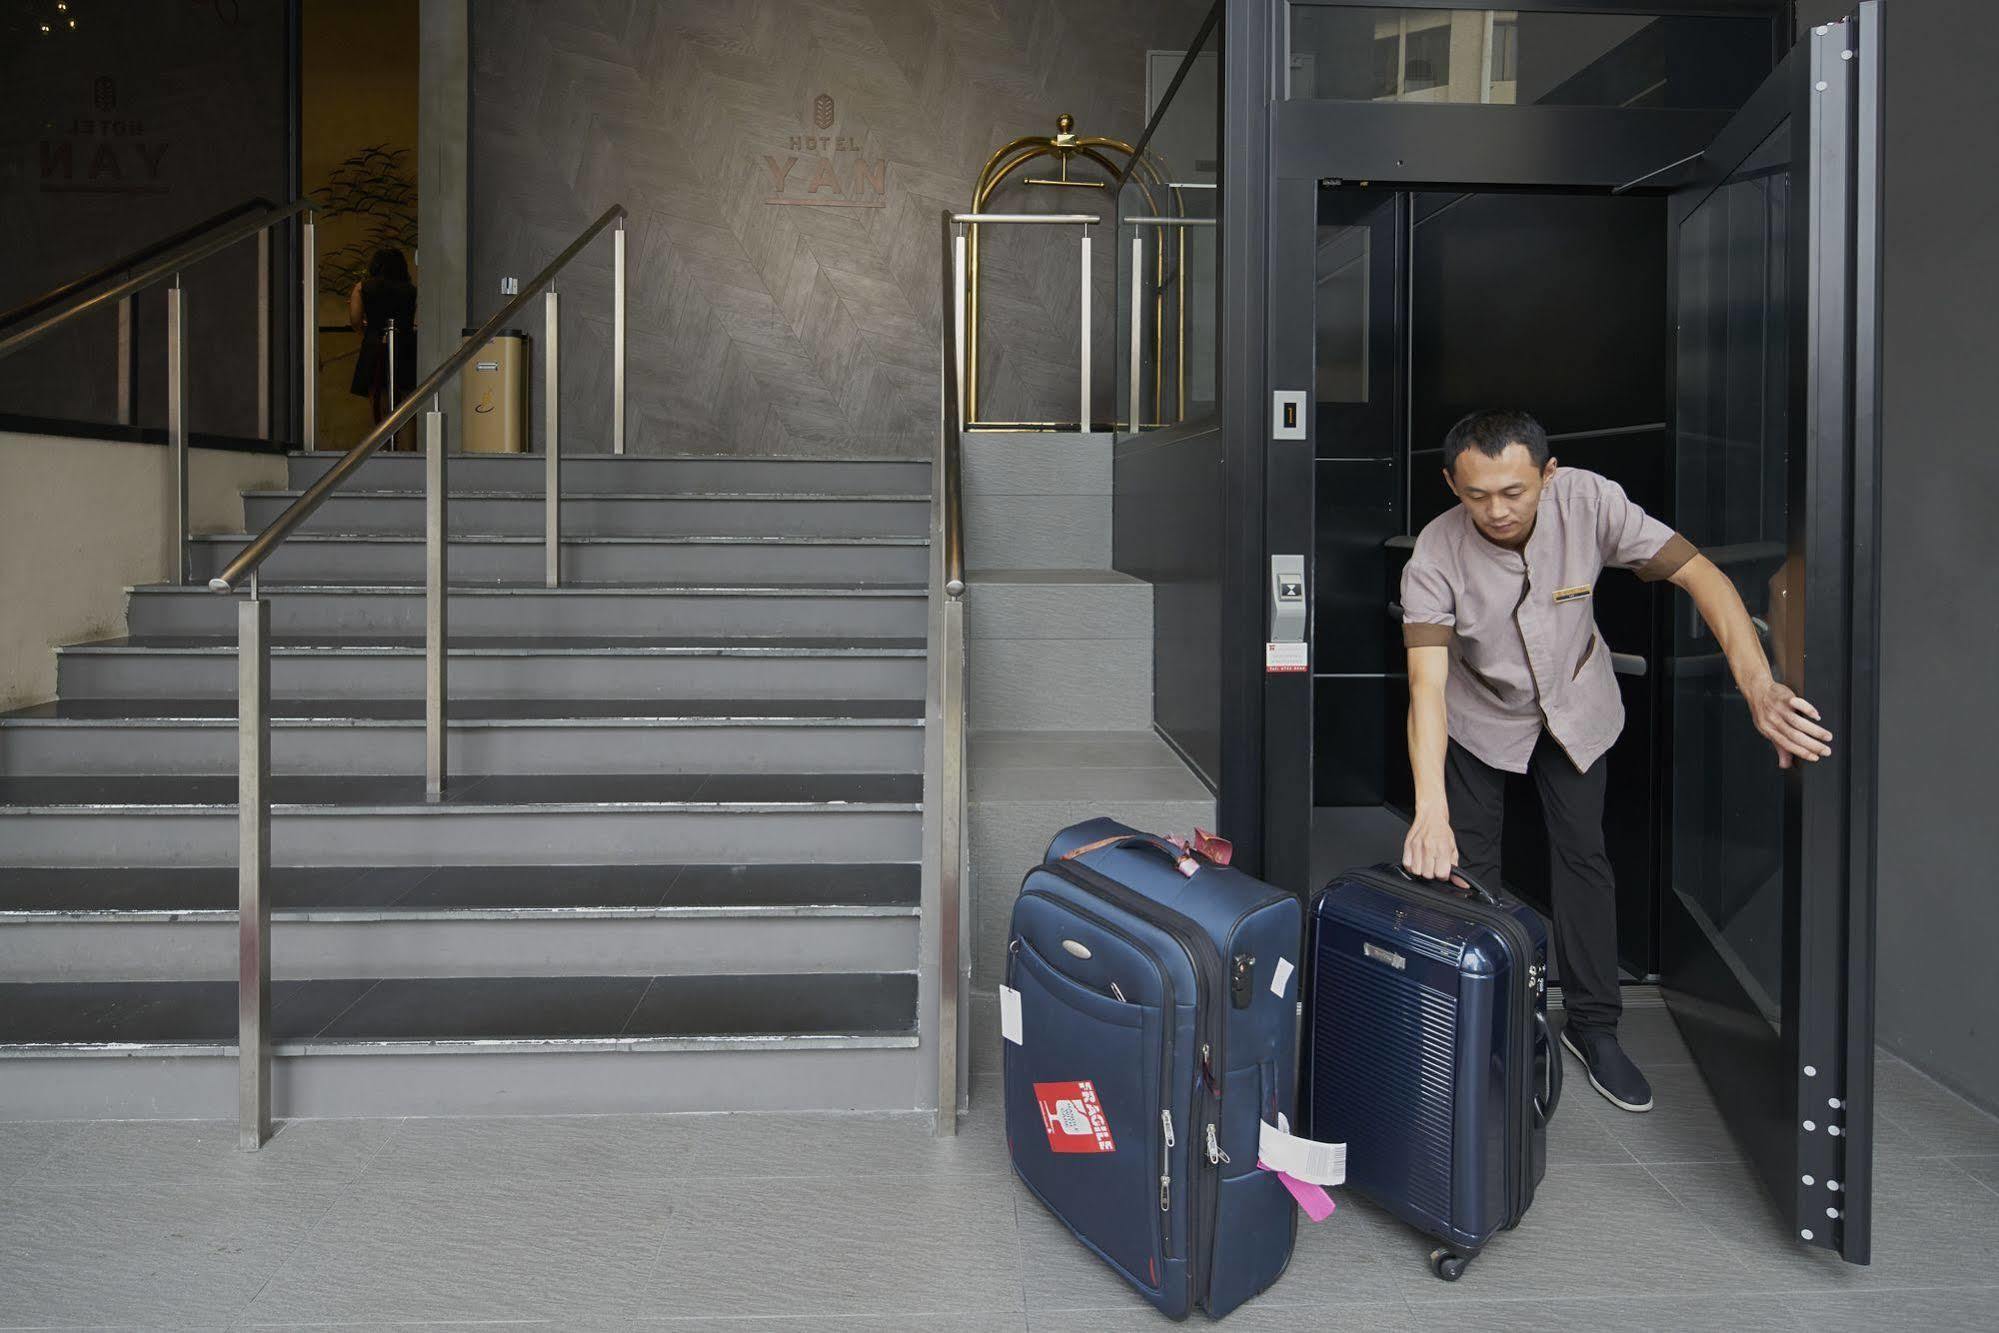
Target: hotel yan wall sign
x=820, y=167
x=102, y=151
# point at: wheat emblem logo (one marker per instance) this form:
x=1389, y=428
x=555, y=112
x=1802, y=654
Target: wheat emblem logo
x=822, y=111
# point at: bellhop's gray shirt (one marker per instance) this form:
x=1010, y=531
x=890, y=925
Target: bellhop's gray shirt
x=1521, y=625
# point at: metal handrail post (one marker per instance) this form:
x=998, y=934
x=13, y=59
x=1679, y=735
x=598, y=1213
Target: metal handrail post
x=1083, y=417
x=308, y=434
x=944, y=753
x=618, y=338
x=390, y=402
x=551, y=407
x=950, y=867
x=264, y=334
x=253, y=867
x=957, y=361
x=1137, y=320
x=127, y=402
x=177, y=420
x=436, y=603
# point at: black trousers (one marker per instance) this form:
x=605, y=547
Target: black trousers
x=1583, y=892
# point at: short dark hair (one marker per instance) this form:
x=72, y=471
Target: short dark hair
x=1489, y=431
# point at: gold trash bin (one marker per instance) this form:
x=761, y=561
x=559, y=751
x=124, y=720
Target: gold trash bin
x=493, y=396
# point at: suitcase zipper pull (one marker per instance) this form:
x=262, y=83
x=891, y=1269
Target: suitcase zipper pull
x=1215, y=1154
x=1166, y=1164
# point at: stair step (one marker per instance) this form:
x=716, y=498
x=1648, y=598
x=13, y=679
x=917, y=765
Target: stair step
x=487, y=736
x=468, y=1015
x=623, y=513
x=1076, y=604
x=502, y=667
x=498, y=892
x=1028, y=785
x=627, y=819
x=360, y=558
x=654, y=473
x=179, y=923
x=727, y=608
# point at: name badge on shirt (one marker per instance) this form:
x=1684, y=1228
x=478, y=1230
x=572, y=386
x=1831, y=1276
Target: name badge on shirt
x=1581, y=590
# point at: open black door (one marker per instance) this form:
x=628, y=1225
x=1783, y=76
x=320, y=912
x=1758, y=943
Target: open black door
x=1767, y=923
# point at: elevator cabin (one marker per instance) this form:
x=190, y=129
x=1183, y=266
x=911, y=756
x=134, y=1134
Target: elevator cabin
x=1654, y=232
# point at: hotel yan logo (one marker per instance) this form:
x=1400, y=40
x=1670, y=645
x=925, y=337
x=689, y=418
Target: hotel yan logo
x=823, y=168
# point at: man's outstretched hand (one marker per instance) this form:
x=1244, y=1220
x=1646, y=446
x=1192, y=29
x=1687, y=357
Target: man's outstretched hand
x=1789, y=723
x=1431, y=849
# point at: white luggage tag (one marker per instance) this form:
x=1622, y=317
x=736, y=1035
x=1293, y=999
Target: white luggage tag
x=1304, y=1167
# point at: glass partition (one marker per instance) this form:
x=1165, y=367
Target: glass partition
x=1168, y=246
x=1391, y=53
x=1732, y=446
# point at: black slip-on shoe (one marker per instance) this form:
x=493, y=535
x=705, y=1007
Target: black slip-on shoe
x=1610, y=1070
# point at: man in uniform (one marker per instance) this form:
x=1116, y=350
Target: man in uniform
x=1508, y=674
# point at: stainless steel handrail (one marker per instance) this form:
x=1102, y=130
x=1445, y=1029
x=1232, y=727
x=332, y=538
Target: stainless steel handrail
x=49, y=299
x=945, y=753
x=162, y=261
x=156, y=270
x=253, y=631
x=281, y=527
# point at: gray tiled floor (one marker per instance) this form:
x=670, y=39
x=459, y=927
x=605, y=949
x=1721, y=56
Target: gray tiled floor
x=1646, y=1224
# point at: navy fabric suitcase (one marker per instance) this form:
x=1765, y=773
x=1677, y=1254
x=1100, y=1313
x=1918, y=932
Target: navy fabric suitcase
x=1428, y=1052
x=1157, y=1025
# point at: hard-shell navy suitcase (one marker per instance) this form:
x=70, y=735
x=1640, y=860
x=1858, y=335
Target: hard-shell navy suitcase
x=1156, y=1026
x=1428, y=1052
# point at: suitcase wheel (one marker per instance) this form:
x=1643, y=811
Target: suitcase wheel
x=1448, y=1264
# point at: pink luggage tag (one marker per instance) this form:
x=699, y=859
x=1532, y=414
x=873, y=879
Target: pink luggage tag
x=1312, y=1199
x=1305, y=1167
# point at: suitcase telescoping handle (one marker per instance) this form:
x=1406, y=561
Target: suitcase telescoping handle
x=1458, y=874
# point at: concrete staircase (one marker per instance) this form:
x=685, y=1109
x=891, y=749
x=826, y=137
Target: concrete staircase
x=1060, y=652
x=677, y=867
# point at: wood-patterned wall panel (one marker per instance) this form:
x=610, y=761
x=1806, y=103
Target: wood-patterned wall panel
x=758, y=328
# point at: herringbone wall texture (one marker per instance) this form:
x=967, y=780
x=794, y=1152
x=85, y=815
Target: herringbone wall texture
x=757, y=328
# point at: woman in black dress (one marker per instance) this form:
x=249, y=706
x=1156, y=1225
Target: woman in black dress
x=385, y=294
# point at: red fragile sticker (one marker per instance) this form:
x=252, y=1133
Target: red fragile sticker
x=1073, y=1117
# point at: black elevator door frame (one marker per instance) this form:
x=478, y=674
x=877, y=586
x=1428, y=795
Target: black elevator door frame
x=1579, y=148
x=1795, y=1085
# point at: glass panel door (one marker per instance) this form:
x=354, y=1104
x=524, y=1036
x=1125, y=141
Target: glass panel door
x=1767, y=917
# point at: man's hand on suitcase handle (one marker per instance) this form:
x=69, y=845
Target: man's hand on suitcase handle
x=1431, y=849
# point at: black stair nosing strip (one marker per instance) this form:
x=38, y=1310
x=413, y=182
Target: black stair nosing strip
x=443, y=809
x=527, y=539
x=827, y=911
x=145, y=709
x=149, y=645
x=775, y=1043
x=895, y=497
x=524, y=459
x=758, y=1010
x=844, y=589
x=409, y=892
x=459, y=722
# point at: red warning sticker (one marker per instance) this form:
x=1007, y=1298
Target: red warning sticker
x=1073, y=1117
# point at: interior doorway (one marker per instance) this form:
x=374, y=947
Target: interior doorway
x=1431, y=304
x=1689, y=305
